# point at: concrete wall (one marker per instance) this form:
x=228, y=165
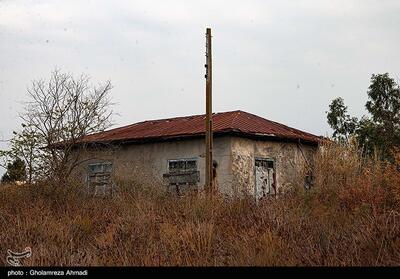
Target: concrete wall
x=235, y=157
x=290, y=161
x=149, y=161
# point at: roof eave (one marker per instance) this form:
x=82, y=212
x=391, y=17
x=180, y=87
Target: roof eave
x=231, y=132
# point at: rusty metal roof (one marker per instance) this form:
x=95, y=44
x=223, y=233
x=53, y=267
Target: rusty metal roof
x=234, y=122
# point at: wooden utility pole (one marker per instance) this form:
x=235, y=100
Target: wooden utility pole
x=209, y=135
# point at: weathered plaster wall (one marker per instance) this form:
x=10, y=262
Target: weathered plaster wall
x=235, y=157
x=290, y=160
x=150, y=160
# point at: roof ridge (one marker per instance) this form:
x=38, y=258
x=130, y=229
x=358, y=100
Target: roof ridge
x=160, y=120
x=185, y=116
x=233, y=121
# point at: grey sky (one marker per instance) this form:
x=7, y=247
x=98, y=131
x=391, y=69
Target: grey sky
x=282, y=60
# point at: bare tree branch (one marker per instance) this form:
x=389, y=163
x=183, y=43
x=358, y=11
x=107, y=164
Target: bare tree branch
x=63, y=109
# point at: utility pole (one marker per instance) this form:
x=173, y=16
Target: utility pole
x=209, y=135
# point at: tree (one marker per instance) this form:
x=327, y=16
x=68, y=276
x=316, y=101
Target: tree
x=380, y=130
x=384, y=101
x=15, y=171
x=24, y=145
x=384, y=106
x=4, y=158
x=60, y=112
x=367, y=135
x=342, y=124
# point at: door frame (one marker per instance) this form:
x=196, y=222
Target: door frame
x=255, y=170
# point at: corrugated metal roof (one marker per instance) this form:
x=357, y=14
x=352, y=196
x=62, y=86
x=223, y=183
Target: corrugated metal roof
x=237, y=122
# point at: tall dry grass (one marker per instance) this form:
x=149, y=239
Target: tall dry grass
x=349, y=217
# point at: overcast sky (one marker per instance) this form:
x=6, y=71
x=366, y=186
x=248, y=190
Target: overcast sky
x=282, y=60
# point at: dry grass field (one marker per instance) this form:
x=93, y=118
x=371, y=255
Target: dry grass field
x=350, y=217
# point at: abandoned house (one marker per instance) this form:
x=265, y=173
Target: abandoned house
x=251, y=154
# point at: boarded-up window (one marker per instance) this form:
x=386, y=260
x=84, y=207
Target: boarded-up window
x=99, y=180
x=182, y=165
x=182, y=174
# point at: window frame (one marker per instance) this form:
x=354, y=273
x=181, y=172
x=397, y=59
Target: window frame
x=100, y=181
x=104, y=166
x=180, y=187
x=182, y=159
